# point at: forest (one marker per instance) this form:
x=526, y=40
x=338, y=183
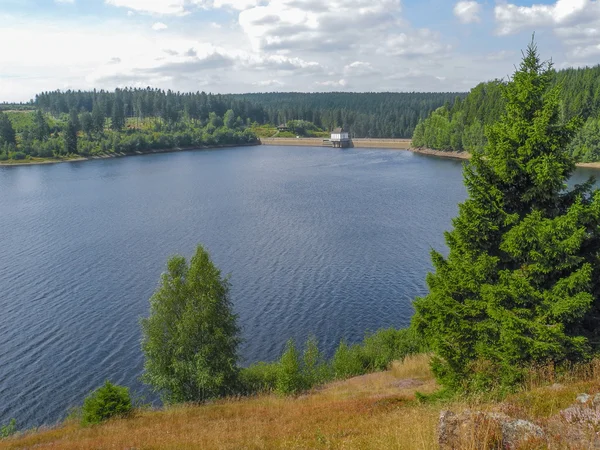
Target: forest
x=384, y=115
x=88, y=123
x=461, y=125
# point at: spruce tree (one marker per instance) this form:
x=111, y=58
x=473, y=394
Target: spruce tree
x=7, y=132
x=520, y=283
x=70, y=135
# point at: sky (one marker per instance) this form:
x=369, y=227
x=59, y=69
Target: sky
x=233, y=46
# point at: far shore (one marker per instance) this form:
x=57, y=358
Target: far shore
x=392, y=144
x=38, y=161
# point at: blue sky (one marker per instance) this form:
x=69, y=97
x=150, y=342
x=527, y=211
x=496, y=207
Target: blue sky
x=283, y=45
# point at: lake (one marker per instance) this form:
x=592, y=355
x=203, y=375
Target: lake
x=317, y=241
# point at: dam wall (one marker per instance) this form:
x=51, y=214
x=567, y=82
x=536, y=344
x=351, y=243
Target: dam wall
x=404, y=144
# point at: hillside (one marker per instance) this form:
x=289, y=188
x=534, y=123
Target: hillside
x=461, y=125
x=372, y=411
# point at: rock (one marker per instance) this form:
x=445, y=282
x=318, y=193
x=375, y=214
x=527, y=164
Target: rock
x=484, y=430
x=577, y=425
x=583, y=398
x=517, y=432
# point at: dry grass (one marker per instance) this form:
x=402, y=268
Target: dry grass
x=375, y=411
x=370, y=412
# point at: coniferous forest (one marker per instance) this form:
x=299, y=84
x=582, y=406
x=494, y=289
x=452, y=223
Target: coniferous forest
x=461, y=125
x=88, y=123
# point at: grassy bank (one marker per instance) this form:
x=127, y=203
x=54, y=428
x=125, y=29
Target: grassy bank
x=374, y=411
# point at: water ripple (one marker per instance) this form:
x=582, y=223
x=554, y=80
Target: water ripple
x=317, y=241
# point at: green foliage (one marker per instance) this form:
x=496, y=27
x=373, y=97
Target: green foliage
x=104, y=403
x=290, y=376
x=381, y=348
x=347, y=361
x=117, y=119
x=386, y=114
x=40, y=129
x=9, y=429
x=70, y=135
x=315, y=368
x=520, y=283
x=294, y=373
x=190, y=339
x=259, y=377
x=7, y=132
x=467, y=119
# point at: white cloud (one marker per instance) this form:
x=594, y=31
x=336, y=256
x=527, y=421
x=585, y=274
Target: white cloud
x=512, y=18
x=468, y=11
x=574, y=22
x=159, y=26
x=268, y=83
x=359, y=69
x=415, y=43
x=332, y=83
x=314, y=24
x=174, y=7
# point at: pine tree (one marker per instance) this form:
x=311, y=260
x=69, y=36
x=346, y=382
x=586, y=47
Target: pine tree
x=70, y=135
x=520, y=283
x=118, y=114
x=41, y=130
x=98, y=117
x=7, y=132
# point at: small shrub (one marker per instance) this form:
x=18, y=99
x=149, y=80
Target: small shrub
x=381, y=348
x=347, y=361
x=290, y=379
x=315, y=368
x=105, y=402
x=17, y=155
x=8, y=429
x=259, y=377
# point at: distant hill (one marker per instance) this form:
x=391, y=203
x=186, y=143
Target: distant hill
x=461, y=125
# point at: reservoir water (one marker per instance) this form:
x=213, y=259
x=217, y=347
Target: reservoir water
x=317, y=241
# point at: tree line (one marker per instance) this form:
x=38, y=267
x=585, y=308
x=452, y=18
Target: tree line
x=376, y=115
x=37, y=134
x=461, y=125
x=383, y=115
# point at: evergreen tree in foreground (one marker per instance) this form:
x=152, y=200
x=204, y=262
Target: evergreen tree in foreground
x=190, y=339
x=520, y=284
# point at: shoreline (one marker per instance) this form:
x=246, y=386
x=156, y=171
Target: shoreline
x=120, y=155
x=391, y=144
x=467, y=156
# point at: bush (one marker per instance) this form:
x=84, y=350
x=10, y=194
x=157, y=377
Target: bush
x=381, y=348
x=347, y=361
x=259, y=377
x=290, y=379
x=8, y=429
x=105, y=402
x=17, y=156
x=314, y=368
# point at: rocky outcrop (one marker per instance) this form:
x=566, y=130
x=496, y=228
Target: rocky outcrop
x=486, y=430
x=576, y=428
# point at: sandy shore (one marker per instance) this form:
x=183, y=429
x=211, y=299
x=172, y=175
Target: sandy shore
x=465, y=155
